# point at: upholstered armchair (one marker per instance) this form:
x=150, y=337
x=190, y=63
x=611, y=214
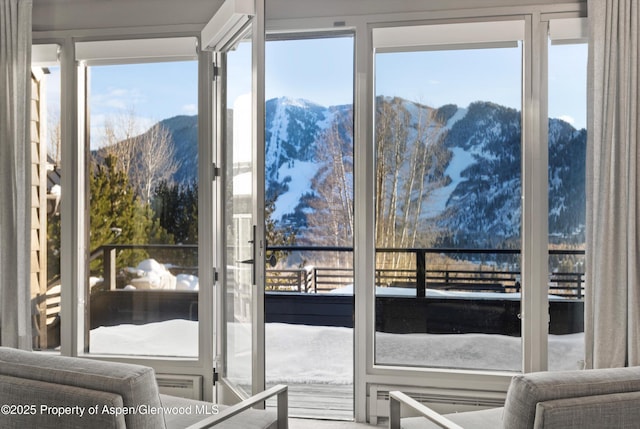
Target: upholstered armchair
x=587, y=399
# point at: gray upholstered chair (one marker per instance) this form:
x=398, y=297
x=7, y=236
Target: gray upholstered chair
x=589, y=399
x=39, y=390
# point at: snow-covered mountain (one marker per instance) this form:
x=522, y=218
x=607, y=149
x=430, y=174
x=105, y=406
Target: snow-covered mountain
x=484, y=205
x=472, y=183
x=295, y=133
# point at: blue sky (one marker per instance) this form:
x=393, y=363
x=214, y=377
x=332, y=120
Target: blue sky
x=321, y=70
x=460, y=77
x=568, y=83
x=150, y=92
x=161, y=89
x=318, y=70
x=438, y=77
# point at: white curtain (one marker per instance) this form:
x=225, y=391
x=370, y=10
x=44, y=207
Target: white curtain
x=612, y=308
x=15, y=173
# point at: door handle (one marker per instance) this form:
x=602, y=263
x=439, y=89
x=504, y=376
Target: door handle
x=272, y=261
x=252, y=261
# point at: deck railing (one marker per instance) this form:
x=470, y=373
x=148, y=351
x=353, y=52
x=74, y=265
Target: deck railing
x=324, y=277
x=318, y=276
x=569, y=284
x=184, y=258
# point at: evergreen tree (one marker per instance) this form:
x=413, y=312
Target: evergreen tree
x=277, y=235
x=118, y=216
x=53, y=247
x=175, y=207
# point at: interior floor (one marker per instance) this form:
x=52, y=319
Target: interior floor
x=297, y=423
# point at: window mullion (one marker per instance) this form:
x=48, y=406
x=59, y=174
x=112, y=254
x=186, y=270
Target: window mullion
x=534, y=311
x=73, y=233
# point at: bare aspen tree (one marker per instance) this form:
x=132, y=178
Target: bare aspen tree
x=147, y=157
x=410, y=164
x=384, y=142
x=118, y=140
x=333, y=183
x=54, y=137
x=155, y=161
x=332, y=219
x=392, y=127
x=382, y=167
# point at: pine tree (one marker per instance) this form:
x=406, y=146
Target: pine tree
x=175, y=207
x=277, y=235
x=118, y=216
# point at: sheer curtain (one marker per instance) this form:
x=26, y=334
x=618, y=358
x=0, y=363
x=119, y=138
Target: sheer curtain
x=15, y=173
x=612, y=308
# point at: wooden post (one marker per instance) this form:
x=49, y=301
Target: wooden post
x=109, y=267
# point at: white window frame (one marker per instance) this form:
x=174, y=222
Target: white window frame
x=365, y=374
x=136, y=51
x=497, y=32
x=557, y=29
x=485, y=385
x=75, y=56
x=534, y=254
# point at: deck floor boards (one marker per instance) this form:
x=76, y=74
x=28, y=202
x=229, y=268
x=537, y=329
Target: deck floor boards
x=321, y=401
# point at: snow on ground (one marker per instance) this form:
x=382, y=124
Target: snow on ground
x=300, y=354
x=308, y=354
x=437, y=293
x=481, y=351
x=319, y=354
x=150, y=274
x=170, y=338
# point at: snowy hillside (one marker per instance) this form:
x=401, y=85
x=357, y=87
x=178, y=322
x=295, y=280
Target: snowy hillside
x=484, y=206
x=472, y=183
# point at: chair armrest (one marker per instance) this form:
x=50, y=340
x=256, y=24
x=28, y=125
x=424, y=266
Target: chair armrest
x=281, y=393
x=397, y=399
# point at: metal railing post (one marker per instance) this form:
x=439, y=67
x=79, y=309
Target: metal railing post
x=421, y=273
x=579, y=285
x=315, y=280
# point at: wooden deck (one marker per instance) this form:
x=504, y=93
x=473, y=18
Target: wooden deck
x=320, y=401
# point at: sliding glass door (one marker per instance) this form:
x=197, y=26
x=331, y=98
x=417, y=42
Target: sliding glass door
x=448, y=196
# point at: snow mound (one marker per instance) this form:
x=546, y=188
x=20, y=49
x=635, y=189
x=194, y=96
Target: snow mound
x=154, y=275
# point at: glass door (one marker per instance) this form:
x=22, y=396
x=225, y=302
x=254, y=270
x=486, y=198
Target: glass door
x=309, y=298
x=241, y=157
x=239, y=222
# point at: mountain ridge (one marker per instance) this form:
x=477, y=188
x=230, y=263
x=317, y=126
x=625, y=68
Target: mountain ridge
x=476, y=185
